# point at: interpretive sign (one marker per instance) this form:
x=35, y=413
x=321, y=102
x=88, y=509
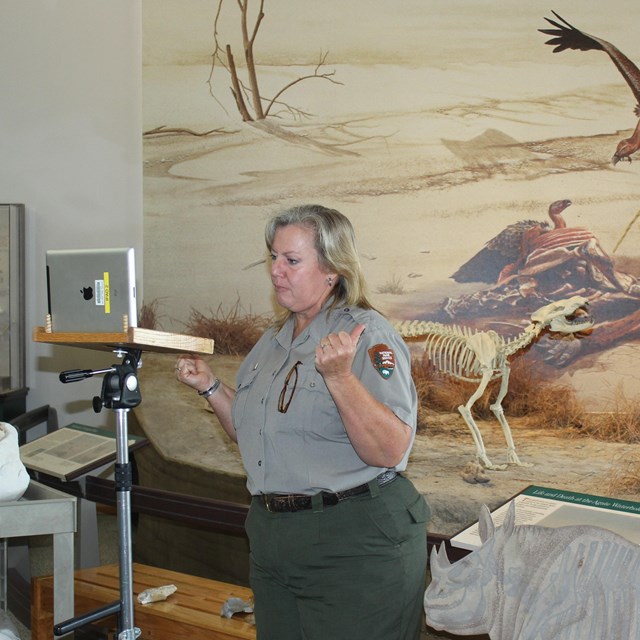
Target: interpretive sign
x=554, y=508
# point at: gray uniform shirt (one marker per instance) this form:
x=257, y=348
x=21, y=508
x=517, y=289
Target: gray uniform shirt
x=306, y=449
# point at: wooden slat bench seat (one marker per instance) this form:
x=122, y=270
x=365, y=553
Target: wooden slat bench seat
x=193, y=611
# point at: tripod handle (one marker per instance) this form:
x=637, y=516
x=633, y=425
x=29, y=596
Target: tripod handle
x=74, y=375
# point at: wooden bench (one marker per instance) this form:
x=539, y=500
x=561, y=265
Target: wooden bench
x=193, y=611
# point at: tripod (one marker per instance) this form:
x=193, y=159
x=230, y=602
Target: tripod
x=120, y=392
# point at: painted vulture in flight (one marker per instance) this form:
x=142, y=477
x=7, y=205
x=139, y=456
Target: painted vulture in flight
x=566, y=36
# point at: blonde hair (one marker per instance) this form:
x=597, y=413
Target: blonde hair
x=335, y=242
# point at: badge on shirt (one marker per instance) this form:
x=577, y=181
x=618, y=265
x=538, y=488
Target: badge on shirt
x=383, y=360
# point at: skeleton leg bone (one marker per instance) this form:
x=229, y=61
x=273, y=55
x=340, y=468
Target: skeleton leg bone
x=465, y=412
x=498, y=412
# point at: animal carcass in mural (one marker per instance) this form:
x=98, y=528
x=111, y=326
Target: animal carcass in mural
x=531, y=262
x=483, y=356
x=530, y=582
x=566, y=36
x=503, y=255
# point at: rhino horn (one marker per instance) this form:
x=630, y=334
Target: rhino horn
x=486, y=528
x=439, y=560
x=433, y=563
x=510, y=519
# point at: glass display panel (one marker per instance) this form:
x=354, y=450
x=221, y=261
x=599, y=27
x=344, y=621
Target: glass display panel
x=12, y=336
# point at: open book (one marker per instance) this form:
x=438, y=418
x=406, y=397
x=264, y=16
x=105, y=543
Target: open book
x=74, y=450
x=558, y=508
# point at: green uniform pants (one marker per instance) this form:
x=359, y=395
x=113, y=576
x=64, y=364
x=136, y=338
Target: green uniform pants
x=352, y=571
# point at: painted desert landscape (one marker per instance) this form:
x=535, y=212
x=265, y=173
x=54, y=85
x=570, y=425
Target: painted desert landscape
x=432, y=133
x=434, y=126
x=431, y=149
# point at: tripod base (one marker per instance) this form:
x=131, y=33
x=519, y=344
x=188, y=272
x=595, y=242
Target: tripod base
x=120, y=392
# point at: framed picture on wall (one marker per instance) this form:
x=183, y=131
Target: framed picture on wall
x=12, y=322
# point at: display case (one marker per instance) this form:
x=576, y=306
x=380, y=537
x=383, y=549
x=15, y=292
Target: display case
x=12, y=295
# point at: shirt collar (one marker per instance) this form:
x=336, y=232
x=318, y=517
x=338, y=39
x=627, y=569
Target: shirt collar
x=318, y=328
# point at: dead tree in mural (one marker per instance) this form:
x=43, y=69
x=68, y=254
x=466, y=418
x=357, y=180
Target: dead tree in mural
x=250, y=103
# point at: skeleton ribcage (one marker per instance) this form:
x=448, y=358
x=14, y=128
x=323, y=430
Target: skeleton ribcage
x=454, y=350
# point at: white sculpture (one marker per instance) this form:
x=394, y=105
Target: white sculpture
x=529, y=582
x=483, y=356
x=8, y=630
x=14, y=478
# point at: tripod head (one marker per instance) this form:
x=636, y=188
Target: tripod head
x=120, y=389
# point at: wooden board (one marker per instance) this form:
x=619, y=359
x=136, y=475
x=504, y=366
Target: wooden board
x=133, y=338
x=192, y=612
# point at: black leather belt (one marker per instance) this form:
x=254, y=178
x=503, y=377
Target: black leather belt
x=280, y=503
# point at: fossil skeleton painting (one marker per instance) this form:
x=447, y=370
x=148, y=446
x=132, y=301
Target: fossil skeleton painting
x=483, y=356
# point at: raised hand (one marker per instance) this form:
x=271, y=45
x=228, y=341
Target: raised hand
x=335, y=353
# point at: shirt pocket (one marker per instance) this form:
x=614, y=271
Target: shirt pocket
x=242, y=399
x=316, y=413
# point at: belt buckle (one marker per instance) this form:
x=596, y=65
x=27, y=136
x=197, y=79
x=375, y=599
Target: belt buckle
x=386, y=477
x=330, y=499
x=267, y=503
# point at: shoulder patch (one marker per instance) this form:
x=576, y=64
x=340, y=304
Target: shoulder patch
x=383, y=359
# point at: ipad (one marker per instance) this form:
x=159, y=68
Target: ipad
x=91, y=290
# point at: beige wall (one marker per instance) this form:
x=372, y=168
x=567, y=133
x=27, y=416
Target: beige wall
x=70, y=121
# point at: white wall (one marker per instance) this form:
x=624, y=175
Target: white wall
x=71, y=152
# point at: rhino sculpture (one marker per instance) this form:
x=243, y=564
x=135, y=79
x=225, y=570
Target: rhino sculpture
x=529, y=582
x=14, y=478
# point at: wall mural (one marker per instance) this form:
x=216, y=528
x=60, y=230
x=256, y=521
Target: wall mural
x=483, y=153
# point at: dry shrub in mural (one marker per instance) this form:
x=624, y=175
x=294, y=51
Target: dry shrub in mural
x=235, y=331
x=626, y=474
x=149, y=315
x=532, y=394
